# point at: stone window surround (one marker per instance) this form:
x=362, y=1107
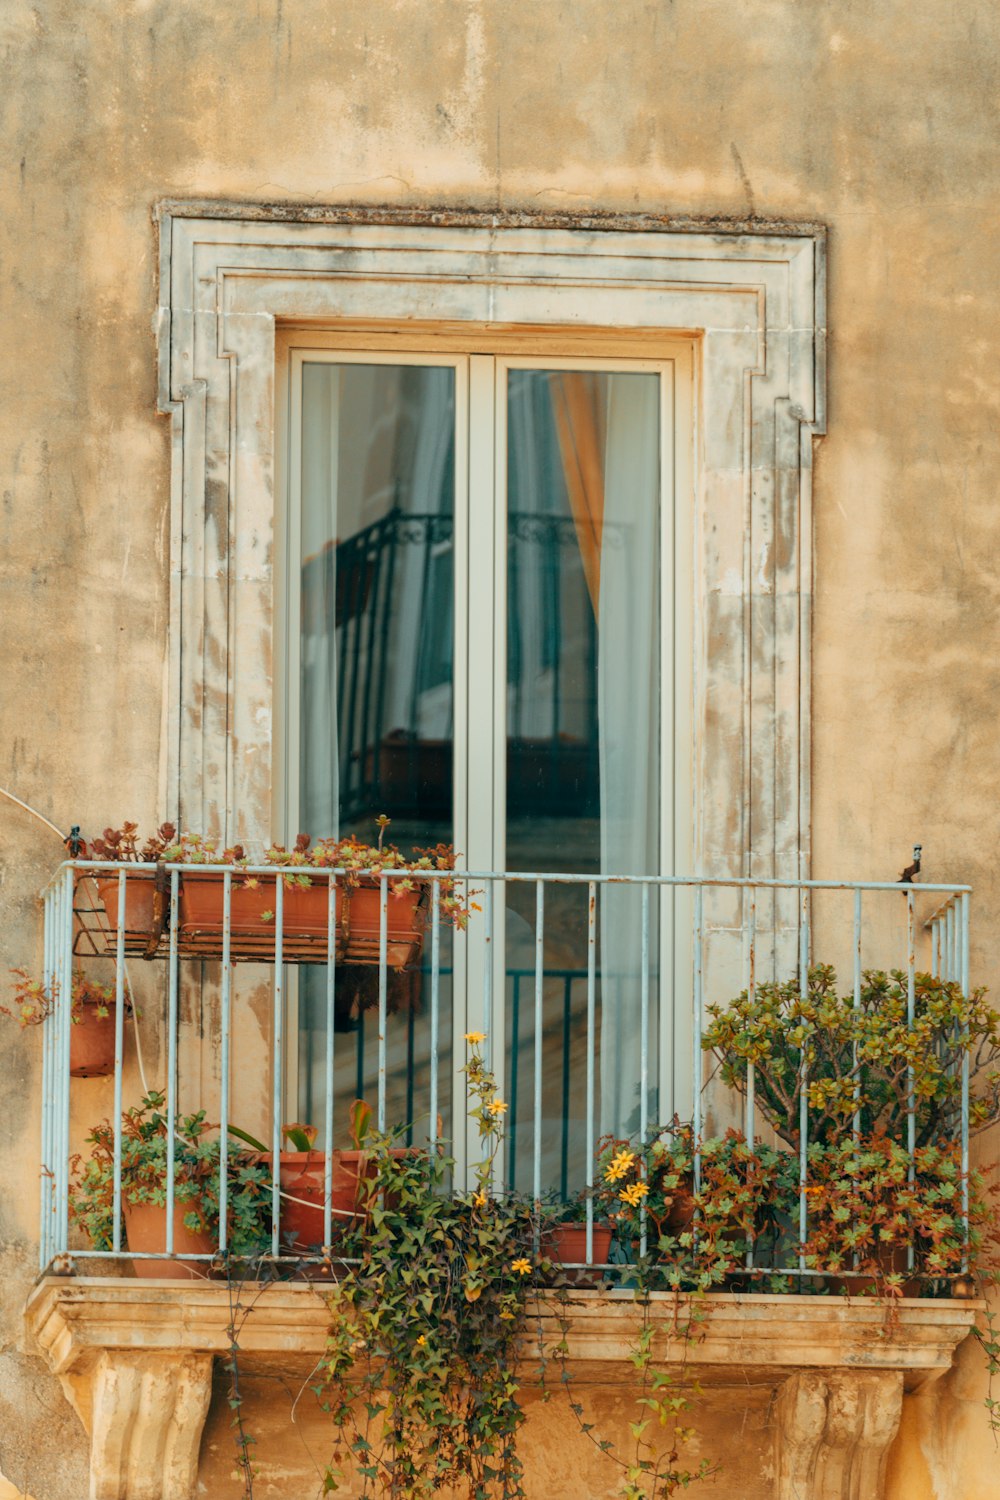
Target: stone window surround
x=753, y=298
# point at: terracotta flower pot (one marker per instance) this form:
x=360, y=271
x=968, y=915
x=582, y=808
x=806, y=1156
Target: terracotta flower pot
x=566, y=1245
x=144, y=910
x=305, y=916
x=146, y=1230
x=302, y=1175
x=92, y=1041
x=405, y=923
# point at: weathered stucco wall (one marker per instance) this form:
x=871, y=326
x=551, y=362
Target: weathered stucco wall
x=879, y=121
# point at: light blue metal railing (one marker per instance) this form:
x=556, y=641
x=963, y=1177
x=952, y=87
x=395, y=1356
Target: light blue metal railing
x=735, y=934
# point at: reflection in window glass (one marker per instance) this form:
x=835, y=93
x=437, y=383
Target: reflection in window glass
x=376, y=696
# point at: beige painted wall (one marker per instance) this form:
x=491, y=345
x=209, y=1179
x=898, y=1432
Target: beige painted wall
x=880, y=121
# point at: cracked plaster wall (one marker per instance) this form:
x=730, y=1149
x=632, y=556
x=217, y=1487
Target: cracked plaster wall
x=879, y=121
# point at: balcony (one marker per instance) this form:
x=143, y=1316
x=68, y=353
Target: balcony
x=583, y=1042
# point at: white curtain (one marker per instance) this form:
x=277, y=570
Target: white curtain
x=628, y=695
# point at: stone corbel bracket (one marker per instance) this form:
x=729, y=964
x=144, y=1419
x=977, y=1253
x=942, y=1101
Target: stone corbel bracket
x=833, y=1432
x=135, y=1361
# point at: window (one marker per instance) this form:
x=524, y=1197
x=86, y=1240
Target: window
x=238, y=291
x=490, y=570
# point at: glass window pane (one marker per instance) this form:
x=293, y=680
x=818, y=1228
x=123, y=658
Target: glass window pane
x=376, y=694
x=583, y=729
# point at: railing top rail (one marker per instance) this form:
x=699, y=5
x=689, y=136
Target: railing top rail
x=522, y=876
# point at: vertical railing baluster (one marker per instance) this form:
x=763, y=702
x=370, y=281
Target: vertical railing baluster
x=935, y=949
x=591, y=1041
x=65, y=1049
x=699, y=1022
x=63, y=1020
x=643, y=1049
x=383, y=990
x=567, y=1018
x=536, y=1144
x=172, y=1008
x=804, y=1078
x=750, y=1123
x=278, y=1074
x=411, y=1054
x=963, y=937
x=48, y=1032
x=488, y=914
x=116, y=1197
x=328, y=1083
x=224, y=1066
x=435, y=1007
x=515, y=1049
x=857, y=1008
x=911, y=1103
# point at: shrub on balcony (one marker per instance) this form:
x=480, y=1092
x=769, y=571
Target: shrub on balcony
x=863, y=1058
x=870, y=1212
x=197, y=1177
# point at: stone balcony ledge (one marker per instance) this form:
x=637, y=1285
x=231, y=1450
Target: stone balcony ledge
x=135, y=1360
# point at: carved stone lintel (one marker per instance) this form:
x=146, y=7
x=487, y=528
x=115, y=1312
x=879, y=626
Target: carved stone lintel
x=145, y=1413
x=832, y=1433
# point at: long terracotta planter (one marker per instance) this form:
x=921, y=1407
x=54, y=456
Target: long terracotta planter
x=405, y=922
x=92, y=1041
x=305, y=916
x=146, y=1230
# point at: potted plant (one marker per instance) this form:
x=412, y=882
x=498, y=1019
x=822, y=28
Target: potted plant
x=92, y=1014
x=864, y=1069
x=563, y=1241
x=197, y=1175
x=697, y=1236
x=870, y=1216
x=146, y=898
x=253, y=896
x=302, y=1178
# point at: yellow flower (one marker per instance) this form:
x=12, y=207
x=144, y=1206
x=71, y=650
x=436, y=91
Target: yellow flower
x=475, y=1037
x=619, y=1165
x=496, y=1105
x=421, y=1340
x=522, y=1266
x=634, y=1193
x=506, y=1314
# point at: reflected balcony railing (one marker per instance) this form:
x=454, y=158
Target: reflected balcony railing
x=587, y=1036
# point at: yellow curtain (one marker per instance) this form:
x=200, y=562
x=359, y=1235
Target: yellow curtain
x=580, y=409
